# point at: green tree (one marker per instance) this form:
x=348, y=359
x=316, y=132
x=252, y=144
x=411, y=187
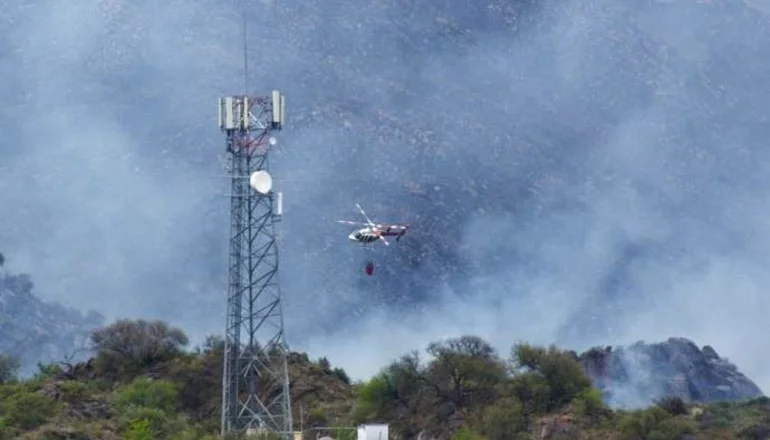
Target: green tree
x=127, y=348
x=532, y=391
x=341, y=375
x=398, y=394
x=465, y=371
x=551, y=371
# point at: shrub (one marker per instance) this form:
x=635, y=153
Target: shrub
x=502, y=420
x=73, y=391
x=139, y=429
x=140, y=423
x=465, y=433
x=26, y=410
x=672, y=405
x=9, y=366
x=638, y=425
x=589, y=404
x=674, y=428
x=147, y=393
x=44, y=371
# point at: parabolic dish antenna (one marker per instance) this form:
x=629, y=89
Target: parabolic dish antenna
x=261, y=181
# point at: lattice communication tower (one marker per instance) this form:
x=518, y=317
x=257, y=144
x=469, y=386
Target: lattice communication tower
x=255, y=385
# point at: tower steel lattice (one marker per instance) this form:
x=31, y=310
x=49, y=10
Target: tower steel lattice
x=255, y=385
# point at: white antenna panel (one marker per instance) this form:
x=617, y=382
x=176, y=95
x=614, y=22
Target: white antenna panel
x=261, y=181
x=227, y=113
x=245, y=122
x=277, y=108
x=279, y=209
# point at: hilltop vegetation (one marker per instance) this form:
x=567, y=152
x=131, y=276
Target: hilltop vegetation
x=143, y=384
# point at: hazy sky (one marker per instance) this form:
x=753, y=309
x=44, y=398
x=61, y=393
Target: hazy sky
x=588, y=172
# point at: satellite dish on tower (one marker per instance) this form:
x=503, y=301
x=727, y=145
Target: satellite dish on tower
x=261, y=181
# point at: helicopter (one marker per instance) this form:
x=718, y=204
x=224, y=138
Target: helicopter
x=372, y=232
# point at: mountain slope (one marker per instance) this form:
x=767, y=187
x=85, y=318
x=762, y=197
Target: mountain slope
x=642, y=373
x=36, y=331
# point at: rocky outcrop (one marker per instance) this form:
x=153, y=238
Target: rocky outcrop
x=36, y=331
x=557, y=427
x=642, y=373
